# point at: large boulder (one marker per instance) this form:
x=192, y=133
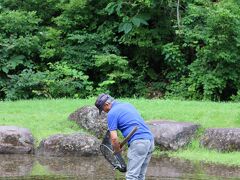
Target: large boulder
x=16, y=140
x=77, y=144
x=170, y=135
x=88, y=117
x=222, y=139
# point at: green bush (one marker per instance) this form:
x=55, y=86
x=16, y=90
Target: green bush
x=115, y=75
x=18, y=39
x=59, y=81
x=213, y=30
x=64, y=81
x=22, y=86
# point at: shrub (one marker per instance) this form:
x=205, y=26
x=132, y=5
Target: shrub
x=59, y=81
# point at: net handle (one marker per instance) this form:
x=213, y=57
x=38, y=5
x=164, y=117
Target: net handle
x=127, y=138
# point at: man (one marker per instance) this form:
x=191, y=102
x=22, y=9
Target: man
x=124, y=117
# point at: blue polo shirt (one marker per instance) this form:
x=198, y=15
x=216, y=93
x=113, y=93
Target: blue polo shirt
x=124, y=117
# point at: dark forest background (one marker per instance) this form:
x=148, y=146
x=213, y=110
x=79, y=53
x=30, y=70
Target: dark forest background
x=185, y=49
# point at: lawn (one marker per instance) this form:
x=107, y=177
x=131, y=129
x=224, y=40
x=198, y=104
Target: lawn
x=47, y=117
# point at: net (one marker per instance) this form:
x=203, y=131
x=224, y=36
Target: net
x=116, y=160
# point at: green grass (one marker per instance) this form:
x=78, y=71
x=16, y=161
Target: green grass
x=47, y=117
x=207, y=114
x=41, y=117
x=196, y=153
x=207, y=156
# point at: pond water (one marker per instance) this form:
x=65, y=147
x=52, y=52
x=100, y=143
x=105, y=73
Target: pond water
x=97, y=168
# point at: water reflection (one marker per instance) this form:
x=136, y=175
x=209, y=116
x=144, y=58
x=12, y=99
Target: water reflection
x=85, y=167
x=92, y=168
x=170, y=168
x=15, y=165
x=173, y=168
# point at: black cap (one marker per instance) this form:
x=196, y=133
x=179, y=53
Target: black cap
x=102, y=98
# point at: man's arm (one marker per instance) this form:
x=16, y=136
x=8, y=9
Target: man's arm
x=114, y=141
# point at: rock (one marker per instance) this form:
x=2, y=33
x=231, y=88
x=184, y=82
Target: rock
x=88, y=117
x=222, y=139
x=170, y=135
x=77, y=144
x=16, y=140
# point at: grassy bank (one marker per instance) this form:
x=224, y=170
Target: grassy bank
x=48, y=117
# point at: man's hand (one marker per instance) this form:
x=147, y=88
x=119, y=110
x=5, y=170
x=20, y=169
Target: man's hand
x=115, y=142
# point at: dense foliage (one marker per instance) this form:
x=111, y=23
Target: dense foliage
x=150, y=48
